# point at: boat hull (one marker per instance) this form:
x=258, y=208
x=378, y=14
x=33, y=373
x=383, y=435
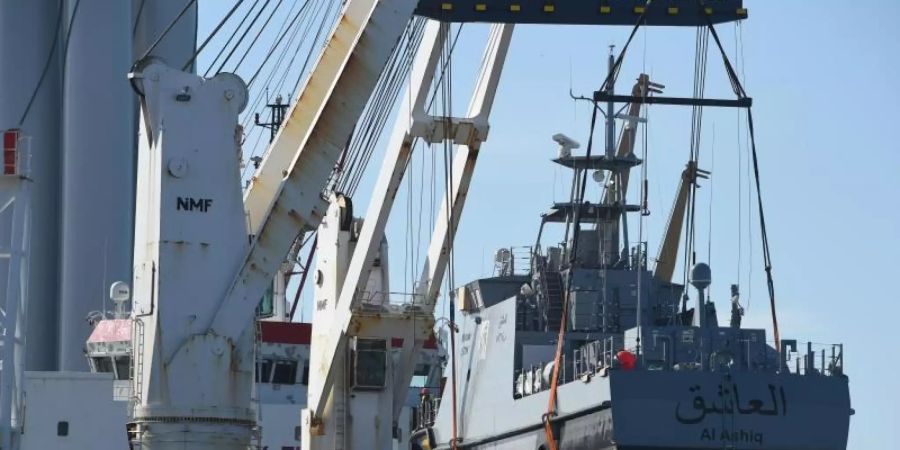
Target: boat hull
x=693, y=411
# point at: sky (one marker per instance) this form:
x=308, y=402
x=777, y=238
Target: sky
x=822, y=76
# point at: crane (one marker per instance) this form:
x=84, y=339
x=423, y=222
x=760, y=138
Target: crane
x=345, y=323
x=203, y=254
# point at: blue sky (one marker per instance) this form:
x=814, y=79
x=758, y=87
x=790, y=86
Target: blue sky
x=823, y=76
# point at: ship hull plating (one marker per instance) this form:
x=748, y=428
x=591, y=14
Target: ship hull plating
x=747, y=405
x=691, y=411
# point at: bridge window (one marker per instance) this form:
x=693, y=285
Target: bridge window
x=102, y=364
x=123, y=367
x=285, y=372
x=263, y=370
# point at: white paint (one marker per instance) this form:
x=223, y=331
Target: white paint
x=84, y=401
x=192, y=241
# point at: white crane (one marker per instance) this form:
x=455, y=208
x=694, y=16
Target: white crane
x=198, y=278
x=346, y=326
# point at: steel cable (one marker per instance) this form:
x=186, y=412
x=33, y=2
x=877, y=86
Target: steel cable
x=230, y=38
x=211, y=34
x=256, y=38
x=243, y=36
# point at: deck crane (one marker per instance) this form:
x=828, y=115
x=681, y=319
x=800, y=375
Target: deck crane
x=198, y=278
x=347, y=323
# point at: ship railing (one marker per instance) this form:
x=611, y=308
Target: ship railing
x=536, y=377
x=597, y=356
x=812, y=358
x=514, y=260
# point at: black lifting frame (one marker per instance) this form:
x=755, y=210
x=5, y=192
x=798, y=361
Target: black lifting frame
x=683, y=13
x=602, y=97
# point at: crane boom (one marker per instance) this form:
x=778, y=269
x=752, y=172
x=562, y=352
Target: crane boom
x=285, y=198
x=347, y=317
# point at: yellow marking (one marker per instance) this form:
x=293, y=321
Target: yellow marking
x=446, y=6
x=639, y=9
x=742, y=12
x=708, y=10
x=549, y=8
x=605, y=10
x=673, y=10
x=480, y=7
x=515, y=7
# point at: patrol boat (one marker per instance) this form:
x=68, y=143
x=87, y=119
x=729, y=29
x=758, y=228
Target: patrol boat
x=590, y=347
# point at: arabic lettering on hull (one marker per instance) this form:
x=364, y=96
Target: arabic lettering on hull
x=728, y=402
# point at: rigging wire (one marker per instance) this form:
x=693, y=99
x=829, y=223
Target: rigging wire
x=316, y=39
x=305, y=267
x=295, y=28
x=747, y=179
x=282, y=32
x=65, y=54
x=767, y=256
x=554, y=381
x=230, y=38
x=256, y=38
x=740, y=180
x=305, y=16
x=700, y=65
x=300, y=26
x=446, y=86
x=243, y=36
x=168, y=28
x=211, y=35
x=384, y=97
x=54, y=43
x=137, y=18
x=611, y=77
x=385, y=105
x=712, y=184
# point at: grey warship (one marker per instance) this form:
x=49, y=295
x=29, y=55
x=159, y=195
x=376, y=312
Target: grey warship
x=583, y=345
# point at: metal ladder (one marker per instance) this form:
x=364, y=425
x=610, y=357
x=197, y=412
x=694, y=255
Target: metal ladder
x=137, y=362
x=552, y=282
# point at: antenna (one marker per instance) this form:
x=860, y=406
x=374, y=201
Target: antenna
x=701, y=277
x=566, y=145
x=119, y=293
